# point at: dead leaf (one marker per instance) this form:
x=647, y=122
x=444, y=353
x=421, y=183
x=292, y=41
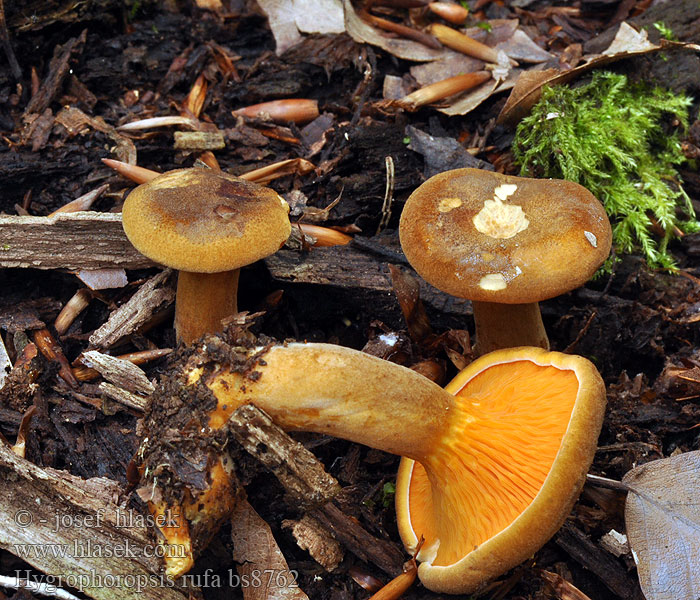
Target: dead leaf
x=451, y=64
x=288, y=19
x=520, y=47
x=263, y=573
x=562, y=588
x=628, y=42
x=441, y=153
x=662, y=514
x=402, y=48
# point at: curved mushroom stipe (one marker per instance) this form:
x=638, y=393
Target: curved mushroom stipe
x=493, y=464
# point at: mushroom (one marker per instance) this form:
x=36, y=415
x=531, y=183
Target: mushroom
x=207, y=224
x=505, y=243
x=493, y=463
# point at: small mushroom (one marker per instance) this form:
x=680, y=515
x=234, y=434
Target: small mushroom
x=493, y=464
x=208, y=225
x=505, y=243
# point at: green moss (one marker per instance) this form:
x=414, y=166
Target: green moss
x=614, y=138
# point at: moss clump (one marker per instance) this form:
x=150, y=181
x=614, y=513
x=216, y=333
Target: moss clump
x=610, y=137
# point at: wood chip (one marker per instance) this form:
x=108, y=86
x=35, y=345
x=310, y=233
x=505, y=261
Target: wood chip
x=150, y=297
x=608, y=569
x=349, y=268
x=299, y=471
x=59, y=67
x=120, y=372
x=49, y=509
x=120, y=395
x=5, y=363
x=306, y=482
x=74, y=241
x=199, y=140
x=316, y=540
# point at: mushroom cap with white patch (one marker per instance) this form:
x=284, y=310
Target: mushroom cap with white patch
x=500, y=238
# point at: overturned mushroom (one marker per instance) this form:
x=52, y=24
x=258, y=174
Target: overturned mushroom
x=208, y=225
x=505, y=243
x=493, y=463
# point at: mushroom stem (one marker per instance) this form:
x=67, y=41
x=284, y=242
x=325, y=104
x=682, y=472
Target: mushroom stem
x=202, y=301
x=298, y=390
x=494, y=461
x=508, y=326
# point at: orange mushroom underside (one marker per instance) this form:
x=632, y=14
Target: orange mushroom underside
x=514, y=422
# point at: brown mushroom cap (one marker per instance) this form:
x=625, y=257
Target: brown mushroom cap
x=499, y=238
x=205, y=221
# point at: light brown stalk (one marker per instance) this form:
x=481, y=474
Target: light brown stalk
x=443, y=89
x=136, y=174
x=291, y=166
x=324, y=236
x=402, y=30
x=83, y=202
x=296, y=110
x=451, y=12
x=78, y=303
x=463, y=43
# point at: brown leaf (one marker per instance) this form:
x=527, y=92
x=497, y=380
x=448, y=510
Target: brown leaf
x=628, y=42
x=663, y=526
x=262, y=570
x=402, y=48
x=562, y=588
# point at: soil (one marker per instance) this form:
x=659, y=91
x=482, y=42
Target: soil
x=118, y=62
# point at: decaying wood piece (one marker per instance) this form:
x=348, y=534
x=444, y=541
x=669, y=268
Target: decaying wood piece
x=286, y=457
x=126, y=383
x=124, y=397
x=150, y=297
x=297, y=469
x=75, y=241
x=199, y=140
x=604, y=565
x=313, y=537
x=385, y=555
x=5, y=363
x=349, y=268
x=67, y=527
x=120, y=372
x=259, y=560
x=59, y=67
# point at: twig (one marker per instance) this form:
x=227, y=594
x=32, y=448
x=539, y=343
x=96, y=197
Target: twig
x=604, y=482
x=388, y=194
x=9, y=52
